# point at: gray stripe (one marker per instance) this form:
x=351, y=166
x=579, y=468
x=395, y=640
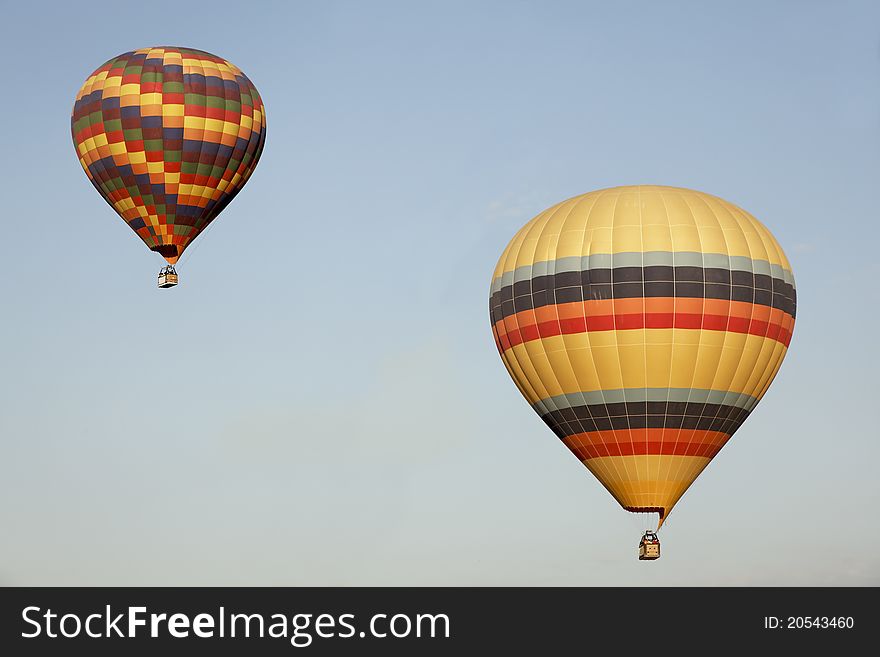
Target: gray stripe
x=740, y=400
x=569, y=263
x=635, y=259
x=741, y=263
x=688, y=259
x=777, y=271
x=599, y=261
x=716, y=261
x=661, y=258
x=628, y=259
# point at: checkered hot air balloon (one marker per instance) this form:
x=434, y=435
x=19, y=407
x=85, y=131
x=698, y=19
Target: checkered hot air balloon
x=168, y=136
x=643, y=324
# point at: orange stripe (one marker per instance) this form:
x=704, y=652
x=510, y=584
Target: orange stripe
x=631, y=442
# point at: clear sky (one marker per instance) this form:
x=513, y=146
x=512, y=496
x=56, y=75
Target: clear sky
x=320, y=401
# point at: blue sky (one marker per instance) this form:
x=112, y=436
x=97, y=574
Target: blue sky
x=339, y=415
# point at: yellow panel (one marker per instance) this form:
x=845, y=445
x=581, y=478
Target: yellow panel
x=536, y=364
x=601, y=241
x=608, y=367
x=596, y=339
x=561, y=371
x=519, y=376
x=571, y=243
x=519, y=255
x=708, y=357
x=584, y=369
x=523, y=391
x=678, y=211
x=757, y=248
x=194, y=122
x=627, y=211
x=627, y=239
x=701, y=209
x=569, y=342
x=686, y=336
x=658, y=361
x=112, y=81
x=684, y=362
x=653, y=208
x=744, y=368
x=712, y=240
x=214, y=125
x=545, y=247
x=628, y=337
x=776, y=254
x=632, y=366
x=736, y=242
x=602, y=214
x=599, y=214
x=686, y=238
x=771, y=374
x=572, y=215
x=647, y=480
x=524, y=255
x=656, y=237
x=712, y=338
x=767, y=362
x=658, y=336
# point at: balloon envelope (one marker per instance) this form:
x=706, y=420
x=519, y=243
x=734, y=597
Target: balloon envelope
x=643, y=324
x=168, y=136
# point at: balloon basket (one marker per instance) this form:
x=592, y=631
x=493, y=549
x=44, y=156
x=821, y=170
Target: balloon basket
x=167, y=277
x=649, y=547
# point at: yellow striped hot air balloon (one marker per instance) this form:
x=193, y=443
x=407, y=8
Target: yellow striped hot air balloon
x=643, y=324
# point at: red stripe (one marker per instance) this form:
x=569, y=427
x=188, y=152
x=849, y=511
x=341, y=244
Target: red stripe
x=522, y=327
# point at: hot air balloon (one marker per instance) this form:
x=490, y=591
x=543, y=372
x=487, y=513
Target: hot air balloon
x=643, y=324
x=168, y=136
